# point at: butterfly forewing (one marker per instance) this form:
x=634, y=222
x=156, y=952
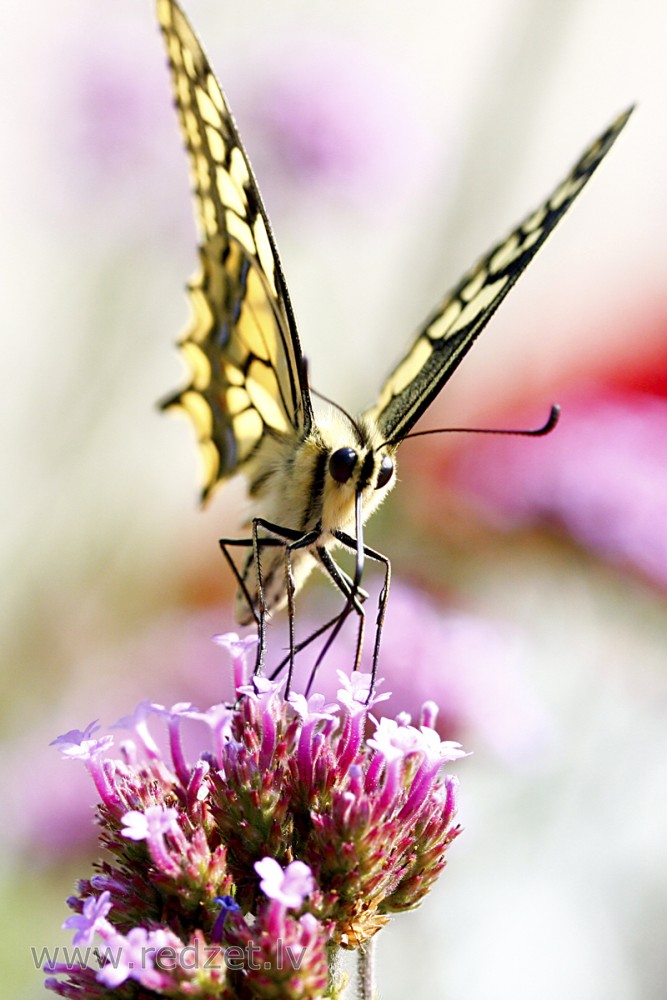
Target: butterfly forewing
x=247, y=377
x=453, y=326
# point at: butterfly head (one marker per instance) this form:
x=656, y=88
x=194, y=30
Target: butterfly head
x=346, y=464
x=360, y=469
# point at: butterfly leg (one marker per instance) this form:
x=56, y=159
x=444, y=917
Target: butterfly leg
x=352, y=592
x=349, y=583
x=351, y=543
x=291, y=613
x=291, y=540
x=260, y=618
x=256, y=608
x=300, y=543
x=239, y=577
x=261, y=598
x=317, y=632
x=355, y=596
x=345, y=584
x=245, y=542
x=382, y=609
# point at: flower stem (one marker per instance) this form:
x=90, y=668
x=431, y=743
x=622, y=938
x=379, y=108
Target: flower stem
x=336, y=988
x=366, y=970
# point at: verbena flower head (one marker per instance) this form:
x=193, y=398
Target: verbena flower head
x=235, y=875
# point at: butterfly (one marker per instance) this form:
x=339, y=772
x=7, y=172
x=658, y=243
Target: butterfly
x=312, y=481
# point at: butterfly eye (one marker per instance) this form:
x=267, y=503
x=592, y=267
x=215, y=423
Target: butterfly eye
x=385, y=473
x=342, y=463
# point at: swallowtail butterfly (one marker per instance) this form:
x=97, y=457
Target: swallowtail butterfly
x=312, y=482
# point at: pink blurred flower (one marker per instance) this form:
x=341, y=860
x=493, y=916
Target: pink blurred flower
x=105, y=126
x=602, y=475
x=323, y=113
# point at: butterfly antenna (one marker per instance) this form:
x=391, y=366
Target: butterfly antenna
x=341, y=409
x=554, y=417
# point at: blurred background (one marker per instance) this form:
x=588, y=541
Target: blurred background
x=393, y=145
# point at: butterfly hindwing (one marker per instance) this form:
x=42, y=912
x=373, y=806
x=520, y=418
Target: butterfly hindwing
x=457, y=321
x=247, y=375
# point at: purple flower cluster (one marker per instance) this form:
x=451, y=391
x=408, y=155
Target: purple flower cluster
x=241, y=874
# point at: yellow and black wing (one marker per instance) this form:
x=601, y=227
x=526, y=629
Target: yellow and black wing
x=450, y=330
x=247, y=376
